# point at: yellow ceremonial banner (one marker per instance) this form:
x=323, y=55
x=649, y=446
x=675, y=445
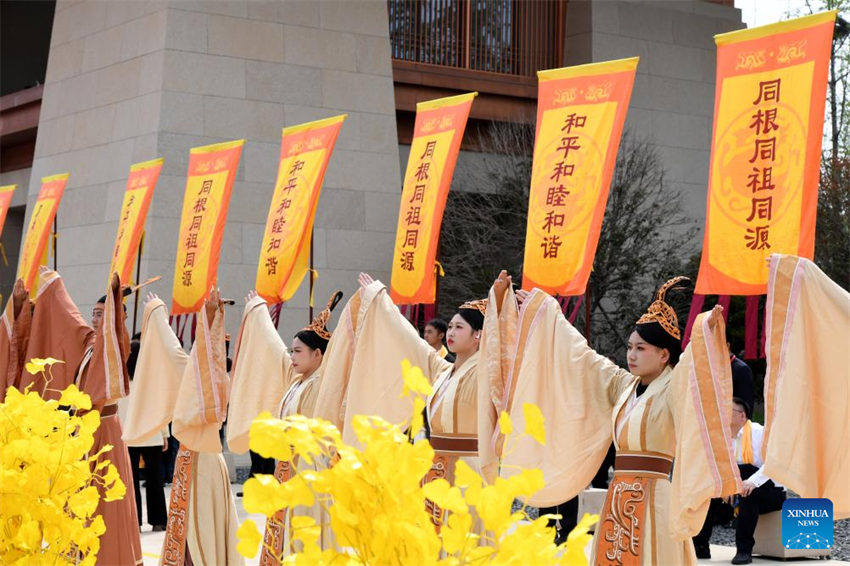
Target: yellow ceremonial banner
x=38, y=230
x=6, y=193
x=304, y=154
x=212, y=169
x=134, y=211
x=437, y=134
x=765, y=153
x=580, y=116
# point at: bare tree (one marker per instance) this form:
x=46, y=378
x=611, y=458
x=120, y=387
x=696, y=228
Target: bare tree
x=646, y=235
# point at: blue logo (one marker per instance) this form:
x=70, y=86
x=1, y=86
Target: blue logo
x=807, y=523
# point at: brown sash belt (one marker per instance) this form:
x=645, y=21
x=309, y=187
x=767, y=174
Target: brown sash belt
x=460, y=445
x=109, y=410
x=638, y=464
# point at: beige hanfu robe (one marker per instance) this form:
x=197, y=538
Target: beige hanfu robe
x=264, y=380
x=452, y=413
x=202, y=518
x=807, y=386
x=362, y=365
x=14, y=338
x=95, y=362
x=684, y=414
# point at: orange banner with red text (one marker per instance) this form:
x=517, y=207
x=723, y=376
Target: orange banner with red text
x=304, y=154
x=134, y=211
x=6, y=193
x=38, y=230
x=580, y=116
x=212, y=170
x=765, y=155
x=437, y=135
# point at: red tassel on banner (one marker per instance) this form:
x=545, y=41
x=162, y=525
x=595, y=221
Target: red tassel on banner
x=696, y=307
x=194, y=325
x=763, y=332
x=576, y=306
x=430, y=312
x=751, y=328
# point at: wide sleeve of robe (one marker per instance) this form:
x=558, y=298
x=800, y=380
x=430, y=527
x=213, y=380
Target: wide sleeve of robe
x=807, y=386
x=494, y=362
x=329, y=396
x=260, y=374
x=14, y=338
x=699, y=397
x=159, y=371
x=58, y=330
x=549, y=364
x=373, y=386
x=202, y=398
x=105, y=378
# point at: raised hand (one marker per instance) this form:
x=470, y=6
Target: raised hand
x=500, y=287
x=365, y=279
x=151, y=296
x=251, y=295
x=19, y=296
x=521, y=296
x=213, y=303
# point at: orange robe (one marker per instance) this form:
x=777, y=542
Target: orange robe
x=95, y=361
x=14, y=338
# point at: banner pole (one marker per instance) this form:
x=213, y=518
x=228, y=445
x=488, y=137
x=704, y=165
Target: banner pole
x=138, y=271
x=587, y=314
x=55, y=237
x=312, y=272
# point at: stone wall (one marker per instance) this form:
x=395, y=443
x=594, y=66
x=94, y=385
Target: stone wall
x=130, y=81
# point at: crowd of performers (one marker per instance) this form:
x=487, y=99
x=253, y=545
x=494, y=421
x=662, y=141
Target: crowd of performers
x=682, y=444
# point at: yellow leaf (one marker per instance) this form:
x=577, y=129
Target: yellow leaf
x=73, y=397
x=535, y=425
x=37, y=365
x=505, y=425
x=414, y=380
x=249, y=539
x=445, y=495
x=263, y=494
x=84, y=503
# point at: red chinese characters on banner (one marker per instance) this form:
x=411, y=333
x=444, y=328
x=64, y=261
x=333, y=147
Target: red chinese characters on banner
x=134, y=211
x=212, y=170
x=38, y=230
x=284, y=256
x=580, y=116
x=765, y=155
x=438, y=131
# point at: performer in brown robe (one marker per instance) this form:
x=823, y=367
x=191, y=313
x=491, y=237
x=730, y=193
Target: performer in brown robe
x=14, y=337
x=94, y=360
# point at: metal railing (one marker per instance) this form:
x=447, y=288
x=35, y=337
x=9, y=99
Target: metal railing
x=512, y=37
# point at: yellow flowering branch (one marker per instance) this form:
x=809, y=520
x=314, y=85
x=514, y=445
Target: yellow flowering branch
x=50, y=484
x=371, y=499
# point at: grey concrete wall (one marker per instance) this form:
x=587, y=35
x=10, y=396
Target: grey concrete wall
x=673, y=98
x=129, y=81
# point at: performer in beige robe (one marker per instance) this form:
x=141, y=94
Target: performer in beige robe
x=202, y=518
x=95, y=362
x=807, y=386
x=362, y=365
x=378, y=339
x=14, y=337
x=666, y=410
x=267, y=377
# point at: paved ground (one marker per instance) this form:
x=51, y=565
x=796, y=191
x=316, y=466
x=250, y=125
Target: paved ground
x=152, y=543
